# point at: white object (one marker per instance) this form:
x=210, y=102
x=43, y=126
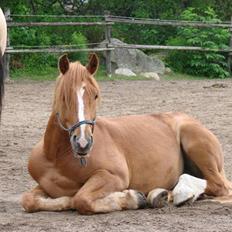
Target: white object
x=3, y=32
x=188, y=188
x=125, y=72
x=152, y=75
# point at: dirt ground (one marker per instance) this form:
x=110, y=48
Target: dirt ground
x=27, y=108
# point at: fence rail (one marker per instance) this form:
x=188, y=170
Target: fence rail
x=41, y=24
x=162, y=47
x=173, y=23
x=108, y=21
x=56, y=50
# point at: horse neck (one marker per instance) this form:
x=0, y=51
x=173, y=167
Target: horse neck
x=55, y=139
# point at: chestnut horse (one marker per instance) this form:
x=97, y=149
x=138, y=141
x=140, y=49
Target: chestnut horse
x=3, y=37
x=99, y=165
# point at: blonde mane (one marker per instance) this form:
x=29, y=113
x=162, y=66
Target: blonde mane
x=67, y=85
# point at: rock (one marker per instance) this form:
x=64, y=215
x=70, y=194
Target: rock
x=133, y=59
x=216, y=85
x=167, y=70
x=152, y=75
x=125, y=72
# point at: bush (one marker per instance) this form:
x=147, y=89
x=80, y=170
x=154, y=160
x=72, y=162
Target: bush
x=211, y=64
x=25, y=37
x=80, y=40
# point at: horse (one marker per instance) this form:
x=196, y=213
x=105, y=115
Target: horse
x=3, y=39
x=100, y=164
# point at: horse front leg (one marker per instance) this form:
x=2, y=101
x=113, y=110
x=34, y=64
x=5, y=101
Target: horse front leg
x=37, y=200
x=105, y=192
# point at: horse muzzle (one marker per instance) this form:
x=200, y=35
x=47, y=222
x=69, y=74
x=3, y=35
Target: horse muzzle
x=81, y=145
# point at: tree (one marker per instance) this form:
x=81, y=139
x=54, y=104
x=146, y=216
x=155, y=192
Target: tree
x=210, y=64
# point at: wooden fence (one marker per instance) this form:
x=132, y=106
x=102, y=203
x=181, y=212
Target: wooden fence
x=108, y=21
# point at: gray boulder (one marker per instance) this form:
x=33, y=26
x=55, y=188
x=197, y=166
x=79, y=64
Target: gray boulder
x=134, y=59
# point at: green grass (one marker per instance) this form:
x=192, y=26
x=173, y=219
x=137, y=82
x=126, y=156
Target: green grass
x=36, y=74
x=51, y=73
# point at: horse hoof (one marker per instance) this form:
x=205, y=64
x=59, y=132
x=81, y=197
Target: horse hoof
x=158, y=198
x=136, y=199
x=28, y=203
x=142, y=201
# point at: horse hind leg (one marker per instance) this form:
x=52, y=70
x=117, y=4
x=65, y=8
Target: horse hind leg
x=204, y=150
x=159, y=198
x=37, y=200
x=226, y=199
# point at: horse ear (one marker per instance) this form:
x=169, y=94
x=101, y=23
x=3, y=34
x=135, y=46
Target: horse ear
x=63, y=63
x=93, y=64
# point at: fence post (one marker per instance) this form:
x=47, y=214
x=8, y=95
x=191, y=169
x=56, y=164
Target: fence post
x=108, y=41
x=6, y=57
x=230, y=53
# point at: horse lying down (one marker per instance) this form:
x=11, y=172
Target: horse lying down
x=99, y=165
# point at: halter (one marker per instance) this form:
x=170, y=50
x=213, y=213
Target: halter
x=71, y=129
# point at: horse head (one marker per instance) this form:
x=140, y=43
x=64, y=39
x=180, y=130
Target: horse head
x=75, y=102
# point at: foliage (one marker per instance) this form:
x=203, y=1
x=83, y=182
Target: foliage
x=212, y=64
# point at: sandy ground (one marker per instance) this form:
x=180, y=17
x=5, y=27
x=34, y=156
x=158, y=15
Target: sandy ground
x=27, y=108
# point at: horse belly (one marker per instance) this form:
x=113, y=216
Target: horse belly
x=156, y=164
x=157, y=173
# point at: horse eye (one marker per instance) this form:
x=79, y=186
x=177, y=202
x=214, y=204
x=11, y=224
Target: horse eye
x=96, y=96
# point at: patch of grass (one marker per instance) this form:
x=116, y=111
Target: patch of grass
x=51, y=73
x=36, y=74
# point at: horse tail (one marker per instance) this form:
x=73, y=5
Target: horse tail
x=1, y=82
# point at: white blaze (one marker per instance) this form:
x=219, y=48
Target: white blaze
x=81, y=115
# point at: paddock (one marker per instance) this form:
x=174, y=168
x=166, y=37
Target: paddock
x=25, y=115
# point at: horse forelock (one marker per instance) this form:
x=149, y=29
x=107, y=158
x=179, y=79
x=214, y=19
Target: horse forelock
x=68, y=84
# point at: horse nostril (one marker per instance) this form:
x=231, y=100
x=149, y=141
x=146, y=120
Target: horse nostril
x=74, y=140
x=74, y=137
